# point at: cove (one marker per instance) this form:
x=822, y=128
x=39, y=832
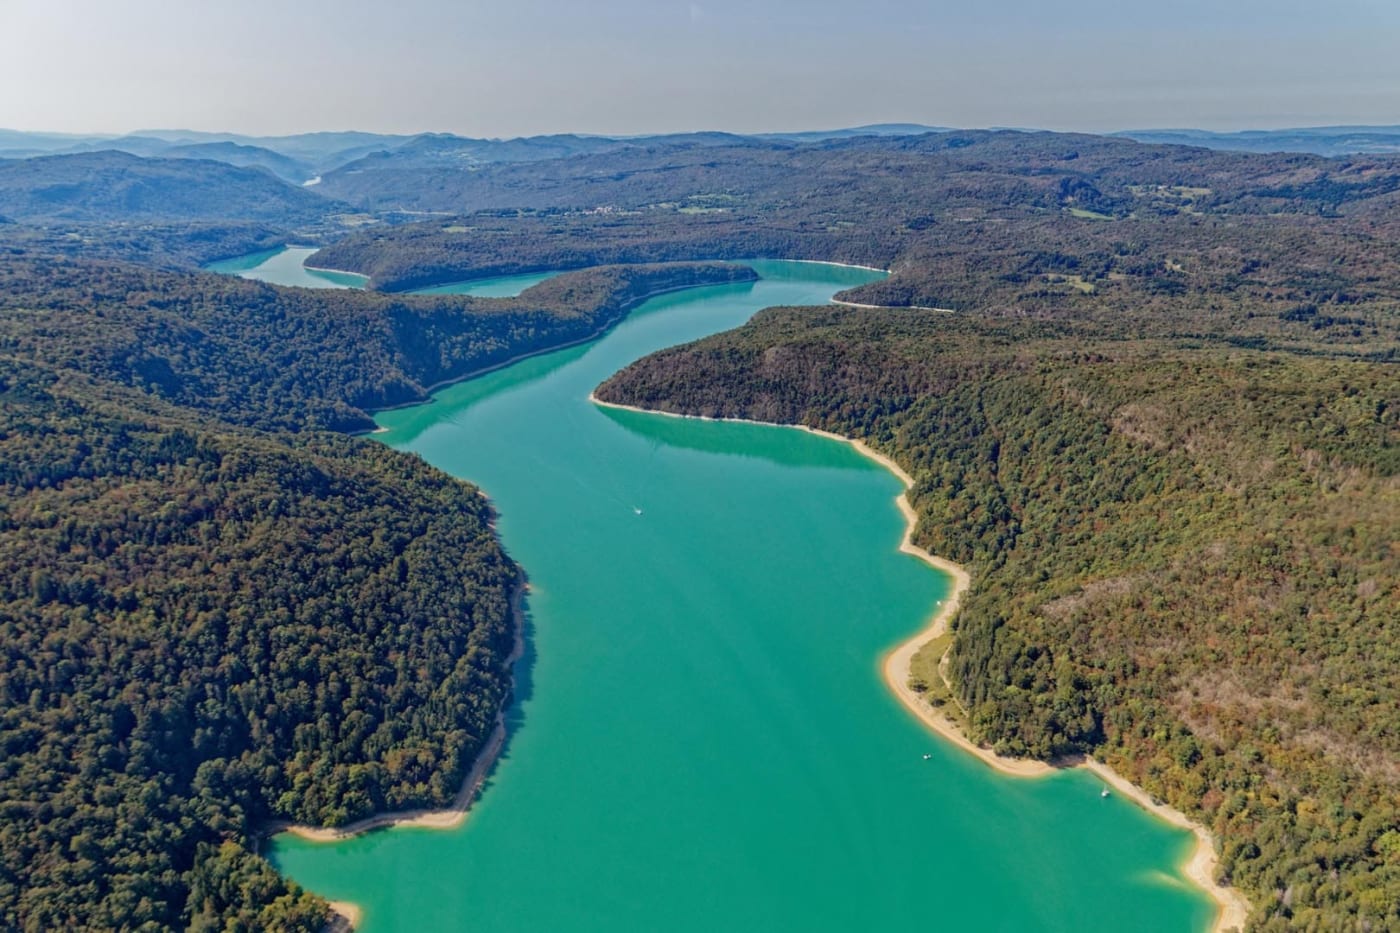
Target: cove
x=701, y=738
x=286, y=266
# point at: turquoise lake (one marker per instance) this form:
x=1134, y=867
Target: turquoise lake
x=701, y=739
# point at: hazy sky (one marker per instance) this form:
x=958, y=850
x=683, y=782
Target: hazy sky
x=517, y=67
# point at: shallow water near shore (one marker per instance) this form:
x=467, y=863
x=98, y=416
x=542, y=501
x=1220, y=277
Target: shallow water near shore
x=701, y=738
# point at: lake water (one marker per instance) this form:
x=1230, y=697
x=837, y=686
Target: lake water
x=701, y=739
x=285, y=267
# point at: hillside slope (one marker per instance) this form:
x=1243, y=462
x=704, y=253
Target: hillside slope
x=204, y=629
x=115, y=187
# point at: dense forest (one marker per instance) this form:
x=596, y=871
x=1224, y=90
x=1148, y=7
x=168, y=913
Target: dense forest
x=986, y=171
x=1183, y=560
x=216, y=614
x=204, y=628
x=280, y=358
x=180, y=245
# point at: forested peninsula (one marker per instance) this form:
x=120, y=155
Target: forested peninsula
x=216, y=614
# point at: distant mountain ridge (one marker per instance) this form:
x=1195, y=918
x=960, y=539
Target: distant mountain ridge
x=303, y=157
x=1316, y=140
x=870, y=129
x=245, y=156
x=293, y=181
x=311, y=153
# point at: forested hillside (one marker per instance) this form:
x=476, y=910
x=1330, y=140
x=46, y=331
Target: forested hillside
x=283, y=358
x=214, y=614
x=205, y=628
x=170, y=246
x=961, y=176
x=394, y=180
x=114, y=187
x=1184, y=560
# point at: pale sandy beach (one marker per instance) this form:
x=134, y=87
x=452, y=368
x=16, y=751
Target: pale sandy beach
x=857, y=304
x=448, y=818
x=872, y=307
x=825, y=262
x=334, y=271
x=347, y=916
x=1200, y=868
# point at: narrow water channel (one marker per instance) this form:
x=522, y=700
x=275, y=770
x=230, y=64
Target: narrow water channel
x=701, y=738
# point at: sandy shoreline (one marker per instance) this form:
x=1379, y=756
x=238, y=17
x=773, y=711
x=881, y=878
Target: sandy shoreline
x=1232, y=907
x=857, y=304
x=314, y=250
x=823, y=262
x=347, y=916
x=358, y=275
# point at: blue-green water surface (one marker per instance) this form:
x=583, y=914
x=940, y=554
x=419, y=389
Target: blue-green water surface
x=702, y=740
x=285, y=267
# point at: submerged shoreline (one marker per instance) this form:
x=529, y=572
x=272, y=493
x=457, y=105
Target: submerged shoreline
x=1232, y=907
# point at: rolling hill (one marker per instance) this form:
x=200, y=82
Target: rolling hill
x=116, y=187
